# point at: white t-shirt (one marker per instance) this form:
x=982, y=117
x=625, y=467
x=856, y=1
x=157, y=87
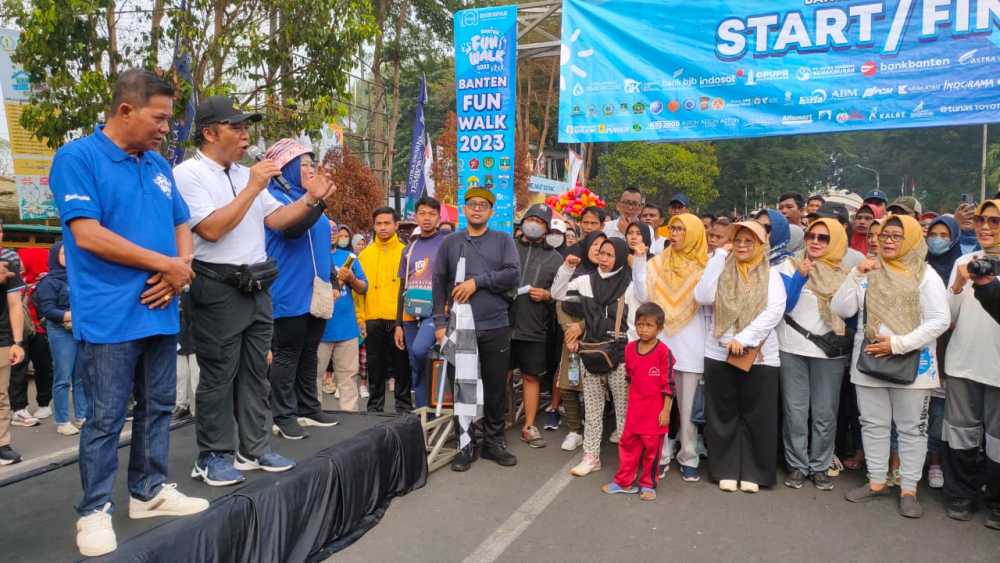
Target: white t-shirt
x=806, y=313
x=205, y=187
x=974, y=349
x=688, y=345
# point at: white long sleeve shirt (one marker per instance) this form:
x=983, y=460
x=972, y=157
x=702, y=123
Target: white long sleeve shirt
x=974, y=349
x=760, y=331
x=934, y=321
x=635, y=295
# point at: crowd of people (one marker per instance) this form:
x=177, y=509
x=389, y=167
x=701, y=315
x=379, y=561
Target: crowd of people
x=828, y=339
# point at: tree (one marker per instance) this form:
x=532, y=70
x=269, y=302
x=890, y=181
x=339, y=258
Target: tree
x=445, y=168
x=358, y=190
x=259, y=50
x=659, y=170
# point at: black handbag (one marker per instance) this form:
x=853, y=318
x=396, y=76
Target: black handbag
x=899, y=369
x=604, y=357
x=832, y=344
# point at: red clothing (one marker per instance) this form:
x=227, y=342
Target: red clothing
x=651, y=377
x=638, y=452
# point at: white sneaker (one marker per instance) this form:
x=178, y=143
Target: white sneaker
x=43, y=412
x=615, y=437
x=23, y=418
x=749, y=487
x=572, y=441
x=728, y=485
x=168, y=502
x=587, y=466
x=364, y=392
x=67, y=429
x=935, y=477
x=94, y=534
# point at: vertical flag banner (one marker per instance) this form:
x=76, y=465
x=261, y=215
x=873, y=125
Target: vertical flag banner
x=32, y=157
x=485, y=96
x=430, y=187
x=676, y=70
x=415, y=172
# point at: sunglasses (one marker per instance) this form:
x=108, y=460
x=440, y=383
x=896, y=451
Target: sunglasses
x=818, y=237
x=993, y=221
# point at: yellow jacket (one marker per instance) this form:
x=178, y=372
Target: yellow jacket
x=380, y=262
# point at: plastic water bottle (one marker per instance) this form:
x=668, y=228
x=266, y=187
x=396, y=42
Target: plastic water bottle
x=573, y=373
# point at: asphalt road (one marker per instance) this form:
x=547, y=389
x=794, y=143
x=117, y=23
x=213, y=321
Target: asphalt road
x=534, y=512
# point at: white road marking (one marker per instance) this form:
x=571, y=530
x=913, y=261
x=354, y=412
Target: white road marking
x=493, y=547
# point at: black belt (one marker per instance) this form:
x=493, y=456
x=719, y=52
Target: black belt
x=252, y=278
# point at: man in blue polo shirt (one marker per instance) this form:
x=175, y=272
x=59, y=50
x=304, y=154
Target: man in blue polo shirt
x=128, y=254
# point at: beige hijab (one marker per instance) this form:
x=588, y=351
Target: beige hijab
x=893, y=294
x=741, y=294
x=674, y=273
x=827, y=274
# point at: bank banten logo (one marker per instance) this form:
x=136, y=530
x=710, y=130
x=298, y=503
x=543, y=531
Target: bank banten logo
x=869, y=68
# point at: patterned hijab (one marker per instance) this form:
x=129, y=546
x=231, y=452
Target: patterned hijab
x=742, y=290
x=995, y=249
x=894, y=289
x=674, y=273
x=828, y=274
x=780, y=238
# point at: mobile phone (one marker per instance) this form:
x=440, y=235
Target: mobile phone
x=349, y=262
x=967, y=199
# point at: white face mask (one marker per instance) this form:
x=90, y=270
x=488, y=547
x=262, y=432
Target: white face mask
x=532, y=230
x=555, y=240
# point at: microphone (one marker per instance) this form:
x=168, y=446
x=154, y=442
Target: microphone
x=254, y=152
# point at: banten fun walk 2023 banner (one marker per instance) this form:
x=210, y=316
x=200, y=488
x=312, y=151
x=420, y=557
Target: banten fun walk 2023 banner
x=676, y=70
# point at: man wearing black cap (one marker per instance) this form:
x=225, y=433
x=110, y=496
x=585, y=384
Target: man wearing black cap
x=492, y=271
x=533, y=312
x=877, y=199
x=232, y=320
x=679, y=204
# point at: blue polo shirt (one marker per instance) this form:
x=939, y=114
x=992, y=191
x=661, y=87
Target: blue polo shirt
x=291, y=292
x=136, y=198
x=344, y=323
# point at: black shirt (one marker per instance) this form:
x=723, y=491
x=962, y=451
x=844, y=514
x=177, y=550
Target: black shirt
x=13, y=284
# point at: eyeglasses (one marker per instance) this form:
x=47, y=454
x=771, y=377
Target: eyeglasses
x=818, y=237
x=993, y=221
x=893, y=237
x=677, y=229
x=477, y=205
x=631, y=204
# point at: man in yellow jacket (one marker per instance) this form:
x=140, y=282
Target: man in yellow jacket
x=380, y=262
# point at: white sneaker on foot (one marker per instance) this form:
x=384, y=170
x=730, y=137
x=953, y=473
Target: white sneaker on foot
x=728, y=485
x=94, y=534
x=364, y=392
x=587, y=466
x=615, y=437
x=935, y=477
x=23, y=418
x=168, y=502
x=572, y=441
x=749, y=487
x=43, y=412
x=67, y=429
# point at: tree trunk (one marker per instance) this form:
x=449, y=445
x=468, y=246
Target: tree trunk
x=548, y=107
x=155, y=33
x=218, y=58
x=376, y=99
x=112, y=23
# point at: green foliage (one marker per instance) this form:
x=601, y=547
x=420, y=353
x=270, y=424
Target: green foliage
x=659, y=170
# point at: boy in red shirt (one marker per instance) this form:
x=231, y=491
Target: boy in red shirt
x=650, y=368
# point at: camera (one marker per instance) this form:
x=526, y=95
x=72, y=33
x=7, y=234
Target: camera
x=985, y=266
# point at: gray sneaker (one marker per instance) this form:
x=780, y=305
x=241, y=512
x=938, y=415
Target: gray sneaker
x=864, y=493
x=910, y=507
x=533, y=437
x=795, y=479
x=822, y=481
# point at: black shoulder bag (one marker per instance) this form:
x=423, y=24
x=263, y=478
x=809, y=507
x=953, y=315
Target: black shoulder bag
x=899, y=369
x=832, y=344
x=604, y=357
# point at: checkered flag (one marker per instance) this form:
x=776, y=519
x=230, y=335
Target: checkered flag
x=462, y=351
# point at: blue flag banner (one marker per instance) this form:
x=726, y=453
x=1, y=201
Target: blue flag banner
x=418, y=146
x=485, y=91
x=676, y=70
x=180, y=129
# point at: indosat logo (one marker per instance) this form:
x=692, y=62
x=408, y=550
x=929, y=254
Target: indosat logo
x=487, y=47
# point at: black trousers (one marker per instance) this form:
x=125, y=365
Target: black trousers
x=494, y=358
x=741, y=429
x=232, y=335
x=972, y=426
x=293, y=367
x=382, y=353
x=36, y=351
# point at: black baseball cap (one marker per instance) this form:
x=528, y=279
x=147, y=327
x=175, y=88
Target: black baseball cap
x=876, y=195
x=681, y=199
x=539, y=211
x=833, y=210
x=220, y=109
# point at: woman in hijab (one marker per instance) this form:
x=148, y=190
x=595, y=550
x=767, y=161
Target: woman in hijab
x=904, y=308
x=810, y=379
x=640, y=240
x=943, y=248
x=972, y=411
x=570, y=318
x=599, y=294
x=748, y=300
x=779, y=235
x=671, y=278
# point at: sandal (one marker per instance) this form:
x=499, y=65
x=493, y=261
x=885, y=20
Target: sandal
x=647, y=494
x=613, y=488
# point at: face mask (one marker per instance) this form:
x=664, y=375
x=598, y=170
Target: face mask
x=343, y=243
x=938, y=246
x=555, y=240
x=532, y=230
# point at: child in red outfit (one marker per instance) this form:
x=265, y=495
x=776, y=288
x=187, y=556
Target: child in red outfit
x=649, y=365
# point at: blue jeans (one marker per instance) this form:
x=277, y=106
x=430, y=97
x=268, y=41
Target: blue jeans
x=112, y=374
x=419, y=339
x=63, y=348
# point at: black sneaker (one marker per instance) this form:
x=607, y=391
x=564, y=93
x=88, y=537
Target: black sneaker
x=320, y=419
x=864, y=493
x=8, y=456
x=795, y=479
x=500, y=455
x=289, y=430
x=181, y=413
x=960, y=509
x=822, y=481
x=993, y=520
x=464, y=459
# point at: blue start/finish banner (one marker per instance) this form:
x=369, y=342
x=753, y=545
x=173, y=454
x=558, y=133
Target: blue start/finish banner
x=485, y=94
x=673, y=70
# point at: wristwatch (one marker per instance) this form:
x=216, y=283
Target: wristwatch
x=318, y=203
x=18, y=343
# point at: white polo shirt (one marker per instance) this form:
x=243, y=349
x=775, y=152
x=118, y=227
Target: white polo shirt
x=206, y=187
